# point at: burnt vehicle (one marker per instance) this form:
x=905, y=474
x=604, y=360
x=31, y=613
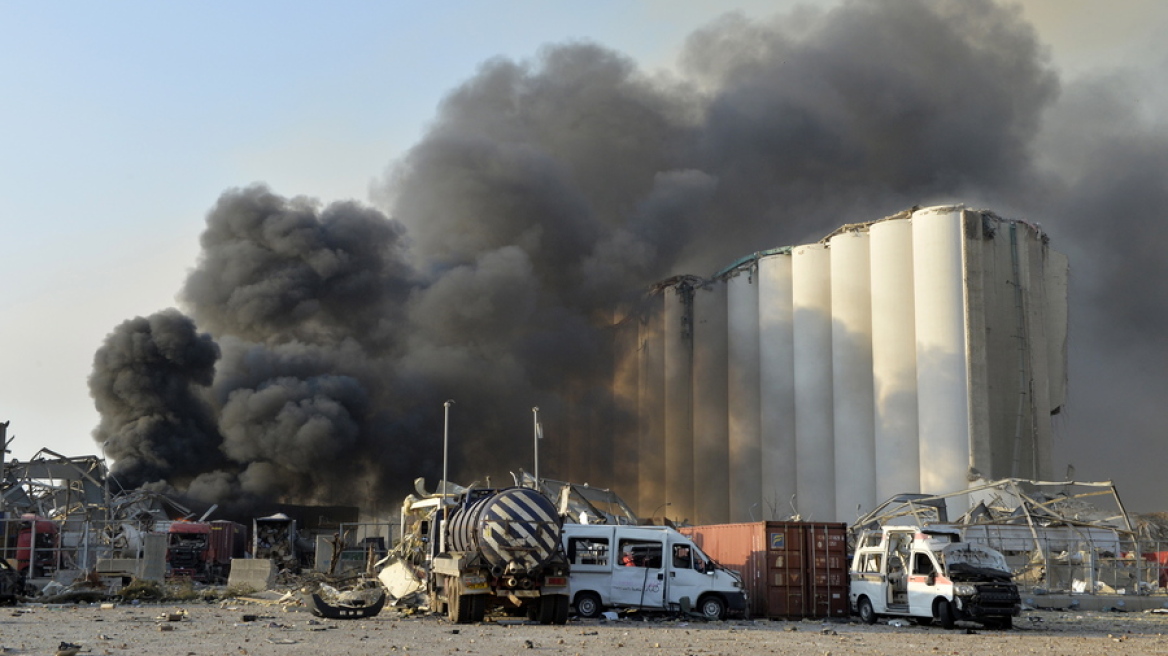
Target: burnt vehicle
x=930, y=574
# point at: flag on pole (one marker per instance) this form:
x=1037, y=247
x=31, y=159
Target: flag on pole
x=538, y=430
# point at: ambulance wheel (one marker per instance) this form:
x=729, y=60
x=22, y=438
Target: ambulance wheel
x=865, y=611
x=945, y=615
x=588, y=605
x=712, y=607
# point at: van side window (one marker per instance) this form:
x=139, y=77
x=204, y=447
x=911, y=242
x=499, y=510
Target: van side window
x=588, y=551
x=871, y=562
x=922, y=564
x=640, y=553
x=682, y=557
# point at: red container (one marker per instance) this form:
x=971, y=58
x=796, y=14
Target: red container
x=228, y=540
x=791, y=570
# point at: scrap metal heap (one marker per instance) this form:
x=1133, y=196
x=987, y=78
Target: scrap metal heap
x=89, y=519
x=1058, y=537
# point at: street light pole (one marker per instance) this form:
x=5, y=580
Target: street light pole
x=445, y=451
x=535, y=439
x=662, y=506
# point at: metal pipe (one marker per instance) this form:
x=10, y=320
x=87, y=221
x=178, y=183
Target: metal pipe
x=535, y=438
x=445, y=449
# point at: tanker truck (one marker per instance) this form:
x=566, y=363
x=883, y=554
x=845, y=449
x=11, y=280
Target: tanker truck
x=479, y=548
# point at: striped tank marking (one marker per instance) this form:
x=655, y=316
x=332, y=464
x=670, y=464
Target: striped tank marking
x=519, y=525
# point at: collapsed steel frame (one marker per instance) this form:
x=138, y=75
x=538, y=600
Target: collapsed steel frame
x=1058, y=536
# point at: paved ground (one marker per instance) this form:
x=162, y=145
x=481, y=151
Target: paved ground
x=197, y=630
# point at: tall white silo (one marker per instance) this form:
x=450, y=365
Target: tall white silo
x=851, y=358
x=894, y=359
x=678, y=454
x=651, y=421
x=743, y=384
x=711, y=471
x=942, y=367
x=814, y=434
x=776, y=342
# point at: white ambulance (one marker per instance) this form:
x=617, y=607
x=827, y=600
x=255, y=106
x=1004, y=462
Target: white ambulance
x=930, y=574
x=646, y=567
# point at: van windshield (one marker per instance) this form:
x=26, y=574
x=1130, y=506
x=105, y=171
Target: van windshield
x=970, y=562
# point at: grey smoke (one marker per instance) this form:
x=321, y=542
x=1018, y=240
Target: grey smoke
x=549, y=191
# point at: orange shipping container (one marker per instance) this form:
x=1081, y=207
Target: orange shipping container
x=791, y=570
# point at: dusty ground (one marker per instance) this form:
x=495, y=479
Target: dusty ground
x=220, y=629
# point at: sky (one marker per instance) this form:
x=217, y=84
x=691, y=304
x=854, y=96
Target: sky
x=123, y=123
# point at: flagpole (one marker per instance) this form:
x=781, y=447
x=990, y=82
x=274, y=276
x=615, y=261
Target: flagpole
x=535, y=439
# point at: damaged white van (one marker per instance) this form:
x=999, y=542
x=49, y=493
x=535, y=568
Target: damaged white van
x=646, y=567
x=930, y=574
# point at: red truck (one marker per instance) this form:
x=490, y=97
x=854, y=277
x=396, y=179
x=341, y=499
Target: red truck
x=36, y=546
x=202, y=551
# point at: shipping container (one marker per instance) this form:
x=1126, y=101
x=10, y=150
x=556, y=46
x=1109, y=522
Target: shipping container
x=791, y=570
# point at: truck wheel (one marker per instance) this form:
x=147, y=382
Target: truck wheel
x=460, y=608
x=553, y=609
x=547, y=609
x=588, y=605
x=865, y=611
x=561, y=614
x=467, y=609
x=945, y=614
x=478, y=607
x=712, y=607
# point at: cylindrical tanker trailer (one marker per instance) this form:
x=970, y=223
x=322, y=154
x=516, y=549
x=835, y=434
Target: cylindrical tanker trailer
x=502, y=547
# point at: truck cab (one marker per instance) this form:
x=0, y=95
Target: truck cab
x=930, y=574
x=646, y=567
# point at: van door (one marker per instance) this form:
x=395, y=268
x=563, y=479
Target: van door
x=923, y=583
x=590, y=563
x=685, y=574
x=638, y=579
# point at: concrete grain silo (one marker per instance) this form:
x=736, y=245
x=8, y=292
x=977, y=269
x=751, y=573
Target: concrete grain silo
x=853, y=402
x=815, y=488
x=894, y=359
x=917, y=353
x=745, y=414
x=776, y=341
x=679, y=443
x=711, y=427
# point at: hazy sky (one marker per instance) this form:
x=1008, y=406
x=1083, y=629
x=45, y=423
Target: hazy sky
x=123, y=122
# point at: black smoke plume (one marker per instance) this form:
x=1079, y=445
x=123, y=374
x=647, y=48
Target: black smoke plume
x=547, y=191
x=148, y=382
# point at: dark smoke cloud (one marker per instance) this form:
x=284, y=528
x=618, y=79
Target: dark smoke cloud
x=548, y=191
x=148, y=383
x=1105, y=157
x=274, y=269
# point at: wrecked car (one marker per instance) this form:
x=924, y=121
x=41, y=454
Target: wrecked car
x=930, y=573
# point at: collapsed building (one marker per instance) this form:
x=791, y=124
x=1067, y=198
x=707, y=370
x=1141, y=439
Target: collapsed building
x=1059, y=537
x=62, y=517
x=918, y=353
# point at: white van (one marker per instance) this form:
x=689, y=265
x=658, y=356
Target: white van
x=647, y=567
x=930, y=573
